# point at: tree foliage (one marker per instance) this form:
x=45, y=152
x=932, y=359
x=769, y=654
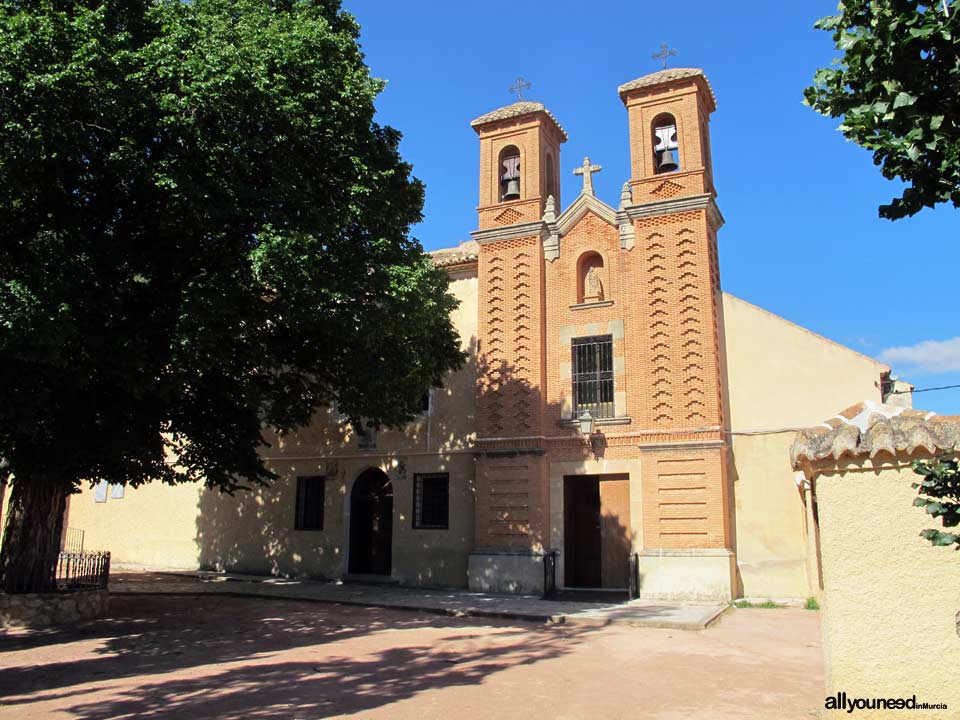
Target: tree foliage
x=204, y=236
x=897, y=88
x=939, y=494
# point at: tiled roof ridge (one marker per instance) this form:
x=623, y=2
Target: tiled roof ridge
x=524, y=107
x=869, y=429
x=667, y=75
x=465, y=252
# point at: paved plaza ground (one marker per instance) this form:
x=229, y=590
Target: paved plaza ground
x=216, y=656
x=686, y=616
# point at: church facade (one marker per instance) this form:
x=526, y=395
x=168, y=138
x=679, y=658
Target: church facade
x=621, y=419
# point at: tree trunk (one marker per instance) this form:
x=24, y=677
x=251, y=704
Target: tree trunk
x=31, y=538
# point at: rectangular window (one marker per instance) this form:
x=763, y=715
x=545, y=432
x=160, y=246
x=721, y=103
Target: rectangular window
x=431, y=501
x=593, y=376
x=367, y=438
x=310, y=496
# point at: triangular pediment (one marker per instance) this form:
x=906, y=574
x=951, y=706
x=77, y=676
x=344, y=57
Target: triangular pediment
x=581, y=206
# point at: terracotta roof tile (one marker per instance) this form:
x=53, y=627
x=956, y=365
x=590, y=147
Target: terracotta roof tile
x=869, y=429
x=466, y=252
x=663, y=76
x=516, y=110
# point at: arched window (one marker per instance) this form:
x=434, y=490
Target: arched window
x=666, y=149
x=551, y=183
x=509, y=171
x=591, y=280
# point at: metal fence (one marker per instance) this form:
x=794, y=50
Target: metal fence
x=82, y=571
x=633, y=576
x=550, y=573
x=72, y=540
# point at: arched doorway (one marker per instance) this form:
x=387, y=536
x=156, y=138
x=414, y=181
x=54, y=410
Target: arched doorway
x=371, y=524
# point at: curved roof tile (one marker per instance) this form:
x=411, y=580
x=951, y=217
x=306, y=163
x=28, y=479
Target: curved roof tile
x=664, y=76
x=524, y=107
x=869, y=429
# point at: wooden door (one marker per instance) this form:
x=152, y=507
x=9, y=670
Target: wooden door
x=371, y=524
x=615, y=533
x=582, y=541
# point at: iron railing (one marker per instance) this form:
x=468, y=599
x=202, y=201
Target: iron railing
x=549, y=573
x=633, y=576
x=72, y=540
x=82, y=571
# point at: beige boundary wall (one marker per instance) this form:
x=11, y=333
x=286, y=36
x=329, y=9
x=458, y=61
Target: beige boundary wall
x=781, y=377
x=891, y=600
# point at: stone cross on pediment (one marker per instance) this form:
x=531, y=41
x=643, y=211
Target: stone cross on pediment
x=587, y=171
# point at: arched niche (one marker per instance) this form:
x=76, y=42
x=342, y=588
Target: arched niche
x=591, y=278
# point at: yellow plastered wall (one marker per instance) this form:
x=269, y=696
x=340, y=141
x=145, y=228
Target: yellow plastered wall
x=781, y=377
x=186, y=526
x=153, y=526
x=891, y=600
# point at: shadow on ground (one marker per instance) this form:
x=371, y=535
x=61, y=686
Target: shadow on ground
x=257, y=658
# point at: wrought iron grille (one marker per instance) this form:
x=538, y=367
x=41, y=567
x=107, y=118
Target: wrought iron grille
x=593, y=376
x=83, y=571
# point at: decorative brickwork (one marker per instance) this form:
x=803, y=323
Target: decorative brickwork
x=683, y=500
x=512, y=500
x=654, y=290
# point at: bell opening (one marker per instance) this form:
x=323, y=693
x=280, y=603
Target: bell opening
x=510, y=173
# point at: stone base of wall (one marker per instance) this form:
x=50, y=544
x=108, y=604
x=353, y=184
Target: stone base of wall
x=41, y=609
x=695, y=574
x=506, y=571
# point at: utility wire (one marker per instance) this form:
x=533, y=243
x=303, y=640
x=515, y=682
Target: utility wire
x=942, y=387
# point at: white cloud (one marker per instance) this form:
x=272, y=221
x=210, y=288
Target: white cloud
x=929, y=357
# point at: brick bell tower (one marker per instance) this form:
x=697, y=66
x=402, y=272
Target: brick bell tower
x=686, y=513
x=519, y=171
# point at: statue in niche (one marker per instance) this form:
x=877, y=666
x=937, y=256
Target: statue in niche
x=592, y=287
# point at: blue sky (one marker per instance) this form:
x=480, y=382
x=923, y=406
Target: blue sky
x=802, y=236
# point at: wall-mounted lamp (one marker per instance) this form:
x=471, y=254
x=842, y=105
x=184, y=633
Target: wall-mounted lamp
x=586, y=429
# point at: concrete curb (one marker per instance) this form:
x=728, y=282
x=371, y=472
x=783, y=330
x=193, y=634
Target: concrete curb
x=449, y=612
x=591, y=618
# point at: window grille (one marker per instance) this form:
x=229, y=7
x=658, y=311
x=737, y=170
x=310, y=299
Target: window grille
x=593, y=376
x=310, y=496
x=431, y=501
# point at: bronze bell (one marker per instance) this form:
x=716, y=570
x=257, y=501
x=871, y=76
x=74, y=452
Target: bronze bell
x=668, y=161
x=513, y=190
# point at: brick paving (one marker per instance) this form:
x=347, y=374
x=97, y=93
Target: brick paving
x=217, y=656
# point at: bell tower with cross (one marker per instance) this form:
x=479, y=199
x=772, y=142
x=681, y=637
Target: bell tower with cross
x=519, y=161
x=519, y=171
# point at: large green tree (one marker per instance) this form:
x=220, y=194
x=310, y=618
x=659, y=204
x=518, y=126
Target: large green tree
x=897, y=88
x=204, y=236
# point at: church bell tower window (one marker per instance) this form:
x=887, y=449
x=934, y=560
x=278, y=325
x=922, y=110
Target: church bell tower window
x=509, y=173
x=666, y=149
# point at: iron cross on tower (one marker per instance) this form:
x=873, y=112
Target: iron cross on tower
x=665, y=52
x=519, y=86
